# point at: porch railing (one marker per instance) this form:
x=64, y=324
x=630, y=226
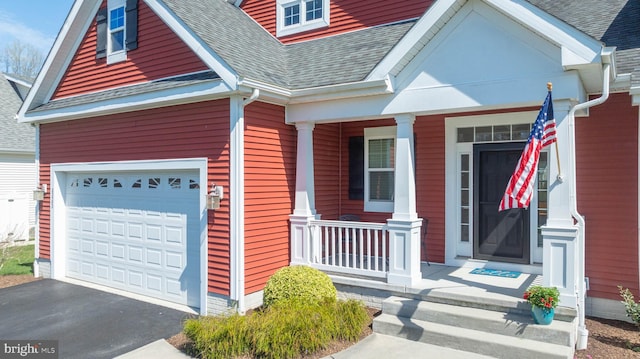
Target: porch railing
x=358, y=248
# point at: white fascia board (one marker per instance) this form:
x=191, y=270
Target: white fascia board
x=281, y=95
x=635, y=95
x=578, y=47
x=342, y=91
x=169, y=97
x=64, y=48
x=17, y=81
x=199, y=47
x=499, y=94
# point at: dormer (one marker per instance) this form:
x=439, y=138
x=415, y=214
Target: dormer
x=295, y=16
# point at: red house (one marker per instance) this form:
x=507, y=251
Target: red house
x=360, y=137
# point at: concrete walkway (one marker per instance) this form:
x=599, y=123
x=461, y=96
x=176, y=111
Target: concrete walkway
x=375, y=346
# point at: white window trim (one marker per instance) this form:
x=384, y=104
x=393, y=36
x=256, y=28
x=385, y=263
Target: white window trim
x=387, y=132
x=121, y=55
x=304, y=25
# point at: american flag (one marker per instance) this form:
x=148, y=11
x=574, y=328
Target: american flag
x=543, y=133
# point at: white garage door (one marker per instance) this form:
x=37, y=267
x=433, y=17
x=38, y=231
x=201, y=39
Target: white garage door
x=136, y=231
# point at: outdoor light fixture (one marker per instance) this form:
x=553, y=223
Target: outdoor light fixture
x=214, y=197
x=38, y=193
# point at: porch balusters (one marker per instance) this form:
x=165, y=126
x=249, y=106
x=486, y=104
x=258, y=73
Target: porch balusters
x=359, y=248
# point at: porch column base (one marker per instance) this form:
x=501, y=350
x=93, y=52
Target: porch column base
x=404, y=252
x=559, y=262
x=304, y=250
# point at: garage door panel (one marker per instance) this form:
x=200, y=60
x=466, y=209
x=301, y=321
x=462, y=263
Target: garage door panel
x=139, y=235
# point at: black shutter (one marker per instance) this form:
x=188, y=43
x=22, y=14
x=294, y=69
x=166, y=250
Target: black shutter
x=132, y=25
x=101, y=26
x=356, y=167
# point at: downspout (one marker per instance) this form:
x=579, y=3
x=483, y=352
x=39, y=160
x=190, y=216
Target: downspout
x=583, y=333
x=240, y=264
x=36, y=262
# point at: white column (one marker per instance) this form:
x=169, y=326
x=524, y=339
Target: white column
x=404, y=226
x=304, y=211
x=560, y=234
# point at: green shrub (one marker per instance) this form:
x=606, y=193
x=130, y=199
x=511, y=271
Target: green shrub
x=632, y=308
x=300, y=283
x=287, y=329
x=221, y=336
x=351, y=319
x=291, y=328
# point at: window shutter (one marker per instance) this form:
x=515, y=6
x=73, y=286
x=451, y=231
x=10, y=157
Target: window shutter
x=356, y=167
x=101, y=27
x=132, y=25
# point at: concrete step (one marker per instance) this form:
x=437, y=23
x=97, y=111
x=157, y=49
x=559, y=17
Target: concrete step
x=506, y=323
x=470, y=340
x=498, y=303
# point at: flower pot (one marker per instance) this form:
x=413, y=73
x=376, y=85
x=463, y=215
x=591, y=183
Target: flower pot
x=542, y=316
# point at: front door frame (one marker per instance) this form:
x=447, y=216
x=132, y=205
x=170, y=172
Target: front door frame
x=453, y=150
x=515, y=146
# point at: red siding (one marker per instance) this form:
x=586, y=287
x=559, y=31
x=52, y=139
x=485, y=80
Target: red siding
x=331, y=154
x=270, y=157
x=430, y=171
x=345, y=15
x=607, y=165
x=186, y=131
x=160, y=54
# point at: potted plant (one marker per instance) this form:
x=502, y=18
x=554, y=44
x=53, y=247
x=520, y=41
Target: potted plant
x=543, y=302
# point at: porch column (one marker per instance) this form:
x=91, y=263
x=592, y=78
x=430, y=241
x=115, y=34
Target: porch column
x=560, y=234
x=404, y=225
x=304, y=211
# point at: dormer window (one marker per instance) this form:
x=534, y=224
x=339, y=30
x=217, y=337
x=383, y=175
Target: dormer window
x=301, y=15
x=117, y=30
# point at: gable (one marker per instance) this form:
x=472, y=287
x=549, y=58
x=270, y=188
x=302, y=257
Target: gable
x=483, y=58
x=160, y=54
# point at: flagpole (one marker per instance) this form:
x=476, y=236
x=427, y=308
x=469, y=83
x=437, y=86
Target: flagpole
x=549, y=88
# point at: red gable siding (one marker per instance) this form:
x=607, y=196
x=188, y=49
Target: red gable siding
x=270, y=158
x=607, y=185
x=160, y=54
x=346, y=15
x=186, y=131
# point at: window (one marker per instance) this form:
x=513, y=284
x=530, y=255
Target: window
x=117, y=30
x=379, y=148
x=295, y=16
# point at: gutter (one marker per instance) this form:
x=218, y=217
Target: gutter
x=583, y=333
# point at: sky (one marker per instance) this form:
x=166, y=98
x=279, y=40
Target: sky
x=35, y=22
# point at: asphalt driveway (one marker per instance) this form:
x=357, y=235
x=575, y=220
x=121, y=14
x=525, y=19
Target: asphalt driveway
x=88, y=323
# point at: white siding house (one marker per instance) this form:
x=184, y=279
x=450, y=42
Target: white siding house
x=17, y=163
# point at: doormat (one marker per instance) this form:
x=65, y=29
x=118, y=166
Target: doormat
x=496, y=273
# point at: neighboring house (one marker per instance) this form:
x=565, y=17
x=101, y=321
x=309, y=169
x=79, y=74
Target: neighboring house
x=17, y=162
x=306, y=111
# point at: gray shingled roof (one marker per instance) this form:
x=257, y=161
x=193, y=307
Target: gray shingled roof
x=14, y=136
x=254, y=53
x=146, y=87
x=614, y=22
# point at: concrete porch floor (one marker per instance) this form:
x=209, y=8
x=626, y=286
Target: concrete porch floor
x=446, y=284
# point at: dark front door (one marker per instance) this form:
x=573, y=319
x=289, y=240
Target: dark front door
x=499, y=236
